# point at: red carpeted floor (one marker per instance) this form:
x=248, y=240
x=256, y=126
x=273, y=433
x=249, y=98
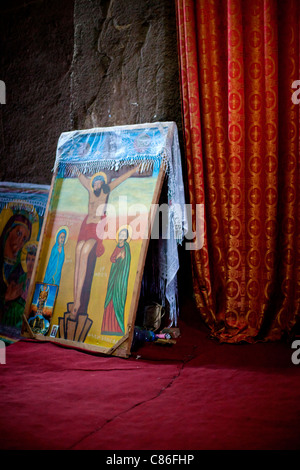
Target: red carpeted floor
x=194, y=395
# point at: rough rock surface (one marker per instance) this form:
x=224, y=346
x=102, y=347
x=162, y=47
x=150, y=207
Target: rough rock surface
x=36, y=42
x=80, y=64
x=125, y=65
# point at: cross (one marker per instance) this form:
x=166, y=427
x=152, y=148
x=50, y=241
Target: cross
x=253, y=288
x=269, y=99
x=234, y=164
x=254, y=258
x=233, y=258
x=255, y=134
x=255, y=38
x=254, y=227
x=255, y=70
x=255, y=195
x=234, y=196
x=232, y=289
x=271, y=163
x=234, y=227
x=222, y=165
x=255, y=164
x=234, y=69
x=271, y=196
x=234, y=132
x=234, y=101
x=270, y=131
x=255, y=102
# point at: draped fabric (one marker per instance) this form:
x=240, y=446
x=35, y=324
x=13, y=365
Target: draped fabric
x=239, y=60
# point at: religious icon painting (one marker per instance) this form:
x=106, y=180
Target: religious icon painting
x=22, y=208
x=105, y=188
x=53, y=331
x=42, y=306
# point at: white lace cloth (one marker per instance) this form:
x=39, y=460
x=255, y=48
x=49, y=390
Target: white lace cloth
x=178, y=226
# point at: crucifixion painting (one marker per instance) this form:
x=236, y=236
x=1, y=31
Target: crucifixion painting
x=98, y=272
x=99, y=190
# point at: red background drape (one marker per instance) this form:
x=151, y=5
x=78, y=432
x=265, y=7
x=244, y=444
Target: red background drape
x=238, y=62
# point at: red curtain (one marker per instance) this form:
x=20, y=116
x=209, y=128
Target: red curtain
x=239, y=60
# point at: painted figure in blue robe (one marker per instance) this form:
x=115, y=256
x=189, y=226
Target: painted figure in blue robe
x=56, y=260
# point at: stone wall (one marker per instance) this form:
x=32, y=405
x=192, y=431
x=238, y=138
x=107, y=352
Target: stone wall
x=80, y=64
x=36, y=44
x=125, y=66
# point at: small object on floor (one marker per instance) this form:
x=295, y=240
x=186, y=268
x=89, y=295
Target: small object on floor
x=141, y=335
x=173, y=332
x=165, y=342
x=163, y=336
x=153, y=315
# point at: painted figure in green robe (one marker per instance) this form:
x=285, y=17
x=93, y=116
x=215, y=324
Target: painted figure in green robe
x=113, y=319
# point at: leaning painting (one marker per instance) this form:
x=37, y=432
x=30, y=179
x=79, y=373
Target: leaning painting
x=22, y=208
x=86, y=283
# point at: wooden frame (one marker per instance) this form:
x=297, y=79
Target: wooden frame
x=78, y=322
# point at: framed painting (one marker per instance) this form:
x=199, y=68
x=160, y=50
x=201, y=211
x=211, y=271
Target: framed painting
x=22, y=208
x=104, y=193
x=42, y=307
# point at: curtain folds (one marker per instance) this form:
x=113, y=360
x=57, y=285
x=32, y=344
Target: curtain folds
x=239, y=60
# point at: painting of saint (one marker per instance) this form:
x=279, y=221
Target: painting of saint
x=28, y=259
x=113, y=318
x=17, y=289
x=57, y=258
x=99, y=190
x=42, y=307
x=15, y=234
x=43, y=295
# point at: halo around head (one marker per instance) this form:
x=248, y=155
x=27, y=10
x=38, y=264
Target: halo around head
x=100, y=173
x=28, y=211
x=128, y=228
x=5, y=215
x=29, y=246
x=63, y=227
